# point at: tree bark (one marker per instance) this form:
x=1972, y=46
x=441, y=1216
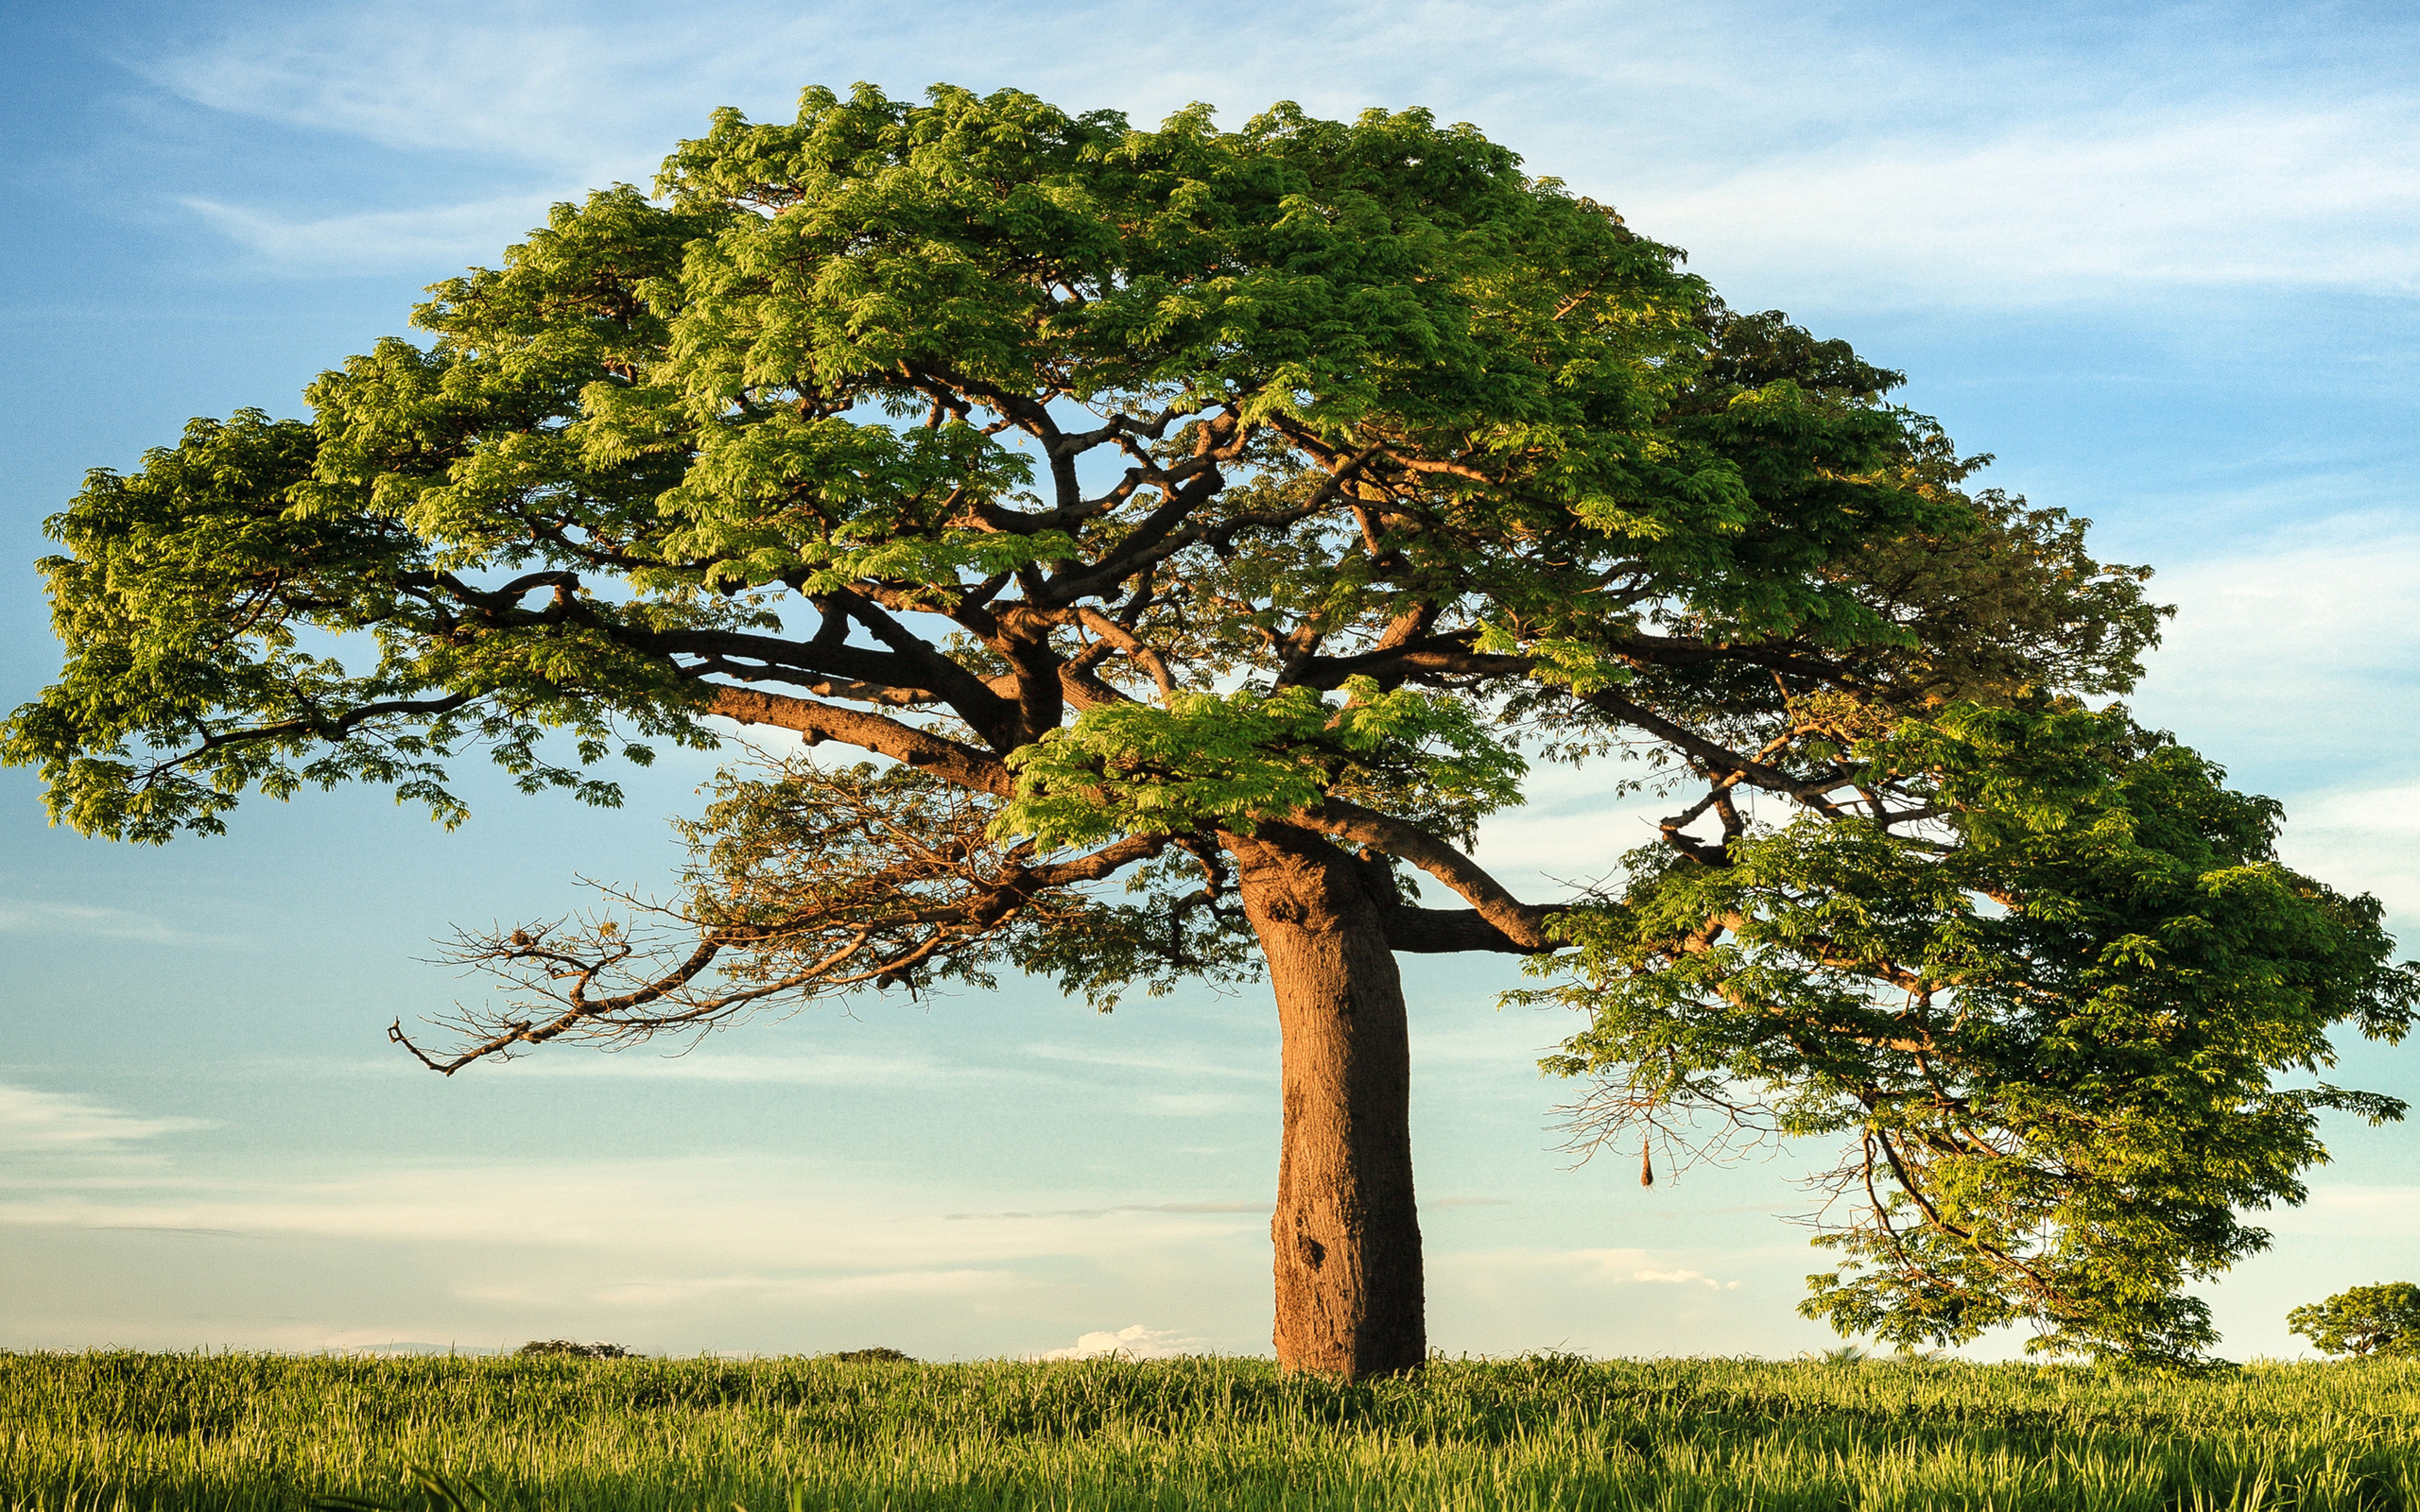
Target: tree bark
x=1347, y=1234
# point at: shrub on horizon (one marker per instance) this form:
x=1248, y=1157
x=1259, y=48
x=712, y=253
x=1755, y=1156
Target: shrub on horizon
x=2382, y=1320
x=572, y=1349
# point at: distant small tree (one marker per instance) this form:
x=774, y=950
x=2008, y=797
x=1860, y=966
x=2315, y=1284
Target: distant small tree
x=573, y=1349
x=2382, y=1320
x=1199, y=533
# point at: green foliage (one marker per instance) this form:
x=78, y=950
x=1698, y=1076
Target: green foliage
x=661, y=417
x=2383, y=1320
x=1067, y=469
x=196, y=612
x=193, y=1434
x=1226, y=761
x=2048, y=1021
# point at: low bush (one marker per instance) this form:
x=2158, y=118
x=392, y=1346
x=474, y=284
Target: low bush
x=573, y=1349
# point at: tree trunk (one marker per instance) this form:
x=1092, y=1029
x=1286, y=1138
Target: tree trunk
x=1349, y=1296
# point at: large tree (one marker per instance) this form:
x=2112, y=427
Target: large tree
x=1197, y=527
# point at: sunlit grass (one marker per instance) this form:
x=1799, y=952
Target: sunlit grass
x=100, y=1432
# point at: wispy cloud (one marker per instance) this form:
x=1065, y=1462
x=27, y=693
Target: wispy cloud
x=1194, y=1105
x=1185, y=1061
x=809, y=1069
x=753, y=1249
x=473, y=232
x=728, y=1215
x=504, y=80
x=1568, y=836
x=910, y=1069
x=2296, y=663
x=2093, y=209
x=1683, y=1277
x=2362, y=840
x=1590, y=1267
x=19, y=915
x=1124, y=1207
x=61, y=1122
x=2327, y=599
x=162, y=1228
x=2376, y=1213
x=666, y=1291
x=2071, y=162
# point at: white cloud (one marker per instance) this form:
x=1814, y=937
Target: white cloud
x=742, y=1252
x=2091, y=208
x=61, y=1122
x=1568, y=836
x=710, y=1063
x=548, y=90
x=2361, y=840
x=1134, y=1342
x=2295, y=664
x=2302, y=615
x=2390, y=812
x=2368, y=1213
x=1683, y=1277
x=472, y=232
x=1811, y=150
x=544, y=84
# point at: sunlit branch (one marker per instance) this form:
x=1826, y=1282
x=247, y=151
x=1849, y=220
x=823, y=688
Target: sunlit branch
x=1524, y=924
x=331, y=728
x=814, y=723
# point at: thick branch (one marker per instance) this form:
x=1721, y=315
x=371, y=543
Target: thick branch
x=818, y=722
x=1524, y=924
x=1448, y=931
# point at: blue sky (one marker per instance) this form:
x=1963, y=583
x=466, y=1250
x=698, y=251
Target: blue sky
x=2164, y=262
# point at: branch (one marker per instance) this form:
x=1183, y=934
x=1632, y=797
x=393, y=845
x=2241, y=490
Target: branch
x=1124, y=640
x=338, y=729
x=818, y=884
x=1722, y=759
x=1523, y=924
x=1449, y=931
x=818, y=722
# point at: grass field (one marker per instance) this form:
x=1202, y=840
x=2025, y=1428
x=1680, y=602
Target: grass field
x=93, y=1432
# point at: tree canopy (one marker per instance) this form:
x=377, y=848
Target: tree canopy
x=2383, y=1320
x=1201, y=532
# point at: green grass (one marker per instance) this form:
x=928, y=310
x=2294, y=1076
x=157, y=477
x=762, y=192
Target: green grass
x=98, y=1431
